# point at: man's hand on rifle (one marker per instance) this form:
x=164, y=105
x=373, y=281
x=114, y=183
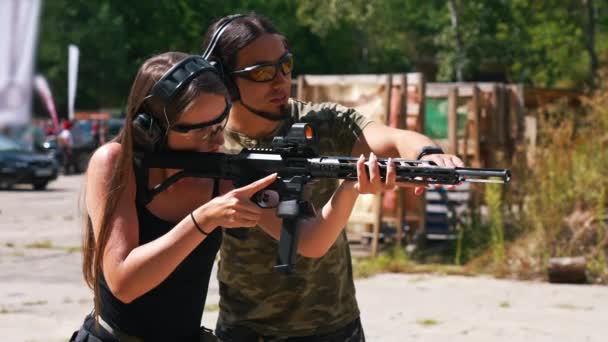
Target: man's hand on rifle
x=372, y=183
x=442, y=160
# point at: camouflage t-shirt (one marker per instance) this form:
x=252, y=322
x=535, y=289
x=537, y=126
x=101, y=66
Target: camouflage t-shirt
x=320, y=296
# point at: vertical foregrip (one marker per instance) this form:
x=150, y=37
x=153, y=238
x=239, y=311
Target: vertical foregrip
x=288, y=245
x=289, y=211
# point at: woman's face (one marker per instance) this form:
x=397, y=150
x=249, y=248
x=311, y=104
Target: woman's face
x=191, y=133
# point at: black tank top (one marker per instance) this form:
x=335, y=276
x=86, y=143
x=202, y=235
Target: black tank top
x=172, y=311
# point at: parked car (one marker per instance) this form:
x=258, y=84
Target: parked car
x=20, y=166
x=29, y=137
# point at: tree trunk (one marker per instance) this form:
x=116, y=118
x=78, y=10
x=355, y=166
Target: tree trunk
x=459, y=60
x=568, y=270
x=589, y=27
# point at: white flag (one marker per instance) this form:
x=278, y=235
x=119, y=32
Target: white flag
x=18, y=41
x=73, y=55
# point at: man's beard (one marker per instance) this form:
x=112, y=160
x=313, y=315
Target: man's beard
x=281, y=115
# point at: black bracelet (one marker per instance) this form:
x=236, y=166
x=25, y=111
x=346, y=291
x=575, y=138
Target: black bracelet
x=426, y=150
x=197, y=226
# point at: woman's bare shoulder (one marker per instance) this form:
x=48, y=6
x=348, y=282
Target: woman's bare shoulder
x=106, y=155
x=104, y=160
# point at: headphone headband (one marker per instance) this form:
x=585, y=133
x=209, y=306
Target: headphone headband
x=217, y=34
x=179, y=76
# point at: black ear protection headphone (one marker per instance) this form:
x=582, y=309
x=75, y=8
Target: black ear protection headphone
x=173, y=81
x=233, y=90
x=163, y=93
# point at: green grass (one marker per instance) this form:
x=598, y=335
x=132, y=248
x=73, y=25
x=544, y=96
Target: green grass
x=34, y=303
x=396, y=261
x=5, y=311
x=71, y=249
x=555, y=207
x=17, y=253
x=574, y=307
x=427, y=322
x=45, y=244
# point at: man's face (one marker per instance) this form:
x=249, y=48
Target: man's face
x=269, y=96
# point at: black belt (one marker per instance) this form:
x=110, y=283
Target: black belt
x=104, y=332
x=122, y=337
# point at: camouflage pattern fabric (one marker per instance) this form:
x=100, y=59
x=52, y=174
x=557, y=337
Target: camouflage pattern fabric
x=320, y=296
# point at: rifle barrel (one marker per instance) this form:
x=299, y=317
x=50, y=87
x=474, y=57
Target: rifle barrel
x=410, y=171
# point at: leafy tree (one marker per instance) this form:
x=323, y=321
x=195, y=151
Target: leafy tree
x=546, y=43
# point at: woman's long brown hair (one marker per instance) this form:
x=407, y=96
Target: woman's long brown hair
x=149, y=73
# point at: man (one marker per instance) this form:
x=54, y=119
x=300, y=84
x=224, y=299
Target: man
x=318, y=302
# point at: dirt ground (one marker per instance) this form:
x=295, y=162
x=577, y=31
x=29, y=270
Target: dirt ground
x=43, y=297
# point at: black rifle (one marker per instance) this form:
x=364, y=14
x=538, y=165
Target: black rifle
x=295, y=158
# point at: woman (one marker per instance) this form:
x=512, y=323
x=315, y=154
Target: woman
x=149, y=262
